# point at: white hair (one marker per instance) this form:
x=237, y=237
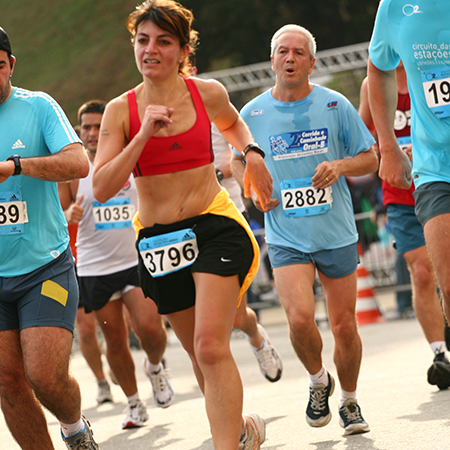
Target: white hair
x=298, y=29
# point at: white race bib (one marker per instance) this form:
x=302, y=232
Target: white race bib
x=300, y=199
x=115, y=213
x=436, y=86
x=13, y=213
x=169, y=252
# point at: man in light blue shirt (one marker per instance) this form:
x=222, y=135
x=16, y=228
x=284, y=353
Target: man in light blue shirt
x=38, y=289
x=312, y=138
x=419, y=35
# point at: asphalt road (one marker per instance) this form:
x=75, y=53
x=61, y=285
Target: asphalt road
x=404, y=412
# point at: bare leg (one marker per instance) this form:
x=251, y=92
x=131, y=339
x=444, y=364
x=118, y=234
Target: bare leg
x=341, y=302
x=207, y=340
x=247, y=322
x=46, y=355
x=147, y=324
x=437, y=240
x=114, y=329
x=425, y=299
x=294, y=285
x=86, y=326
x=23, y=413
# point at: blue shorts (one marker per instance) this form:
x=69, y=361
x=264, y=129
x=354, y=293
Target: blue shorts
x=47, y=297
x=405, y=228
x=432, y=199
x=335, y=263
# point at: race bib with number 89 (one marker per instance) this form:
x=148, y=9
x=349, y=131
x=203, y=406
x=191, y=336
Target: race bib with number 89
x=13, y=213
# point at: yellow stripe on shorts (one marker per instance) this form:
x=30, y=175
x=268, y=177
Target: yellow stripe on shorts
x=55, y=292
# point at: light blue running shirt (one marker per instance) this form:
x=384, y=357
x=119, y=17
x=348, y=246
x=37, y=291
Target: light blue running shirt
x=33, y=229
x=296, y=137
x=418, y=33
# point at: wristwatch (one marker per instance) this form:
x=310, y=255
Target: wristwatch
x=219, y=175
x=255, y=147
x=17, y=166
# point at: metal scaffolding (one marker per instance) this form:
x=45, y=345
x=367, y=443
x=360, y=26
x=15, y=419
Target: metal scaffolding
x=261, y=75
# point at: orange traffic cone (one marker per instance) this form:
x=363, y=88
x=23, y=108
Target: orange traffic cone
x=367, y=310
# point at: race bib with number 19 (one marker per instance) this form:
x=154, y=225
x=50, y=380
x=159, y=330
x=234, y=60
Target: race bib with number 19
x=436, y=86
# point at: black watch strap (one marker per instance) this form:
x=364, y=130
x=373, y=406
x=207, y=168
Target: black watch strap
x=17, y=166
x=219, y=175
x=255, y=147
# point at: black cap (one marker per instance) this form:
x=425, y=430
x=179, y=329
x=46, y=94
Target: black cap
x=4, y=41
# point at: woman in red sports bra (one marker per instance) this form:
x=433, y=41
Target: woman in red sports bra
x=160, y=131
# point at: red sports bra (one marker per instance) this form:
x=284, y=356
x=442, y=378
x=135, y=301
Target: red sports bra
x=183, y=151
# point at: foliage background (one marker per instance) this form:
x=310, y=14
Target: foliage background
x=77, y=50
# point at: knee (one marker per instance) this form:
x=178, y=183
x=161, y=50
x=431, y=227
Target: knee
x=345, y=330
x=150, y=331
x=423, y=276
x=12, y=384
x=300, y=324
x=44, y=379
x=210, y=351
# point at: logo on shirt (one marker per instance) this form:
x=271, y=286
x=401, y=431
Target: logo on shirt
x=175, y=146
x=257, y=112
x=409, y=10
x=332, y=105
x=18, y=144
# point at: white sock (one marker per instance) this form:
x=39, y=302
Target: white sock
x=71, y=429
x=438, y=347
x=345, y=396
x=133, y=398
x=321, y=377
x=152, y=368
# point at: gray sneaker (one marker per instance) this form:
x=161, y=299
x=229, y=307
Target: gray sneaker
x=256, y=432
x=268, y=358
x=83, y=440
x=162, y=390
x=350, y=418
x=104, y=392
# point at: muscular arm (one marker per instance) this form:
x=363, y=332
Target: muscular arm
x=395, y=167
x=68, y=164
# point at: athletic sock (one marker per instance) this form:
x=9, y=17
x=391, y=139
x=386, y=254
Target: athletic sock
x=321, y=377
x=133, y=398
x=71, y=429
x=152, y=368
x=345, y=396
x=438, y=347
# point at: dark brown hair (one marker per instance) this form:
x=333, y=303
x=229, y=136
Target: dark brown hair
x=170, y=16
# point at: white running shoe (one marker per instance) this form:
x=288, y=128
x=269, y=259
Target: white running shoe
x=136, y=415
x=162, y=390
x=104, y=392
x=256, y=432
x=268, y=358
